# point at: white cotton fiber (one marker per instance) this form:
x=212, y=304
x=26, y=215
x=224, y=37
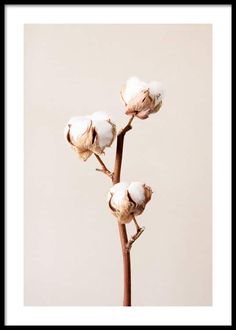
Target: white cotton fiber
x=133, y=86
x=74, y=120
x=104, y=131
x=99, y=116
x=136, y=191
x=120, y=203
x=118, y=192
x=118, y=199
x=78, y=127
x=155, y=88
x=121, y=186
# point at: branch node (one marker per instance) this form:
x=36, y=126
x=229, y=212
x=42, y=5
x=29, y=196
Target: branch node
x=104, y=169
x=134, y=238
x=127, y=128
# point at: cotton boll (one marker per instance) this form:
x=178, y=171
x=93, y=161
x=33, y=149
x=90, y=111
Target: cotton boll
x=136, y=191
x=105, y=132
x=90, y=134
x=133, y=86
x=78, y=128
x=141, y=99
x=128, y=200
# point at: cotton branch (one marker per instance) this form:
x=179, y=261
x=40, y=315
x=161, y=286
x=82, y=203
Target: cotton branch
x=104, y=169
x=85, y=135
x=133, y=238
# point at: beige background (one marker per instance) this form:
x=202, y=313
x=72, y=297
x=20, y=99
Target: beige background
x=72, y=248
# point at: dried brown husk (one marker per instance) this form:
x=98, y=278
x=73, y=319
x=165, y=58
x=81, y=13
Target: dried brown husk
x=139, y=208
x=124, y=214
x=148, y=193
x=142, y=105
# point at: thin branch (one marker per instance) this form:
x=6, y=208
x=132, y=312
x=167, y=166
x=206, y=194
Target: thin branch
x=104, y=169
x=136, y=224
x=133, y=238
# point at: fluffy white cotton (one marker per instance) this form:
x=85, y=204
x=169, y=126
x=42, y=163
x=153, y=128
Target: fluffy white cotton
x=121, y=186
x=136, y=191
x=75, y=120
x=99, y=116
x=120, y=203
x=103, y=128
x=156, y=88
x=133, y=86
x=104, y=131
x=78, y=127
x=118, y=191
x=118, y=199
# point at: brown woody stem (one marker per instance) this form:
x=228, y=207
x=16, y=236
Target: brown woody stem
x=122, y=227
x=104, y=169
x=119, y=151
x=125, y=243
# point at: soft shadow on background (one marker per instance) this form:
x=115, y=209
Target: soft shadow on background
x=72, y=248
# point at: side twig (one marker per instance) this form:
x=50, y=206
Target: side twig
x=104, y=169
x=133, y=238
